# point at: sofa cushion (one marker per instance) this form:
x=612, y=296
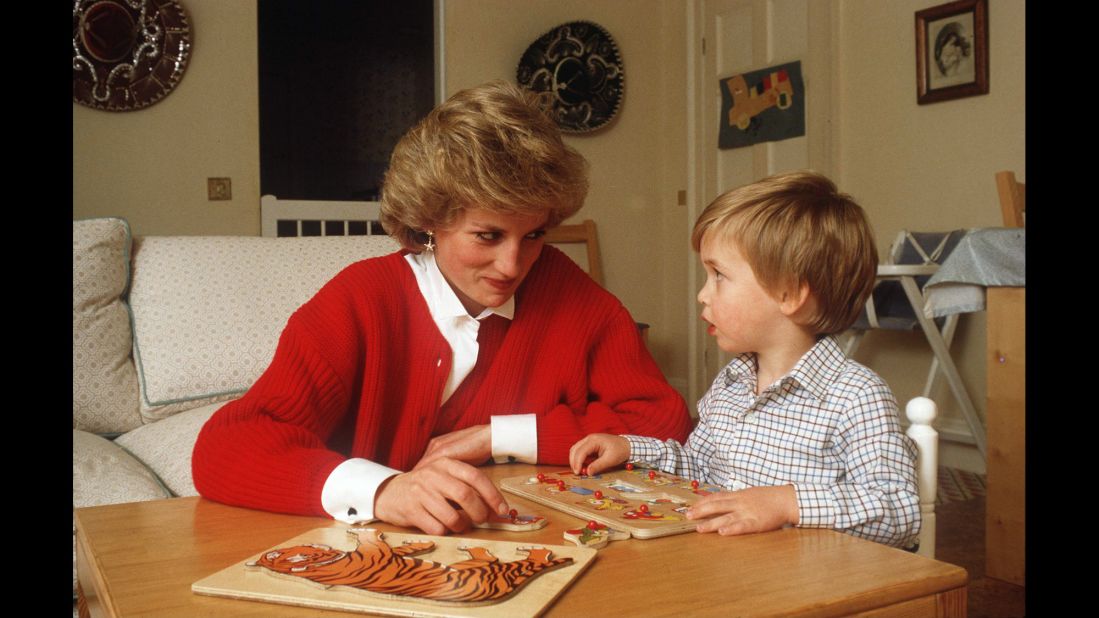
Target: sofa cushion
x=208, y=311
x=104, y=380
x=165, y=447
x=103, y=473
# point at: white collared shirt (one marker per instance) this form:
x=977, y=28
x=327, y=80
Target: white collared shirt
x=349, y=491
x=454, y=322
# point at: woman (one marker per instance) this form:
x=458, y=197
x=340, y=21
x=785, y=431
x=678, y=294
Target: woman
x=473, y=342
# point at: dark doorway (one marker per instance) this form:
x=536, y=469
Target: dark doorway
x=339, y=82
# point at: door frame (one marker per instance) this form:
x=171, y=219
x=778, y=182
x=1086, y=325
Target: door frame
x=820, y=69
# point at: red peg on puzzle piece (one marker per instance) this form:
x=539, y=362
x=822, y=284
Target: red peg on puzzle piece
x=652, y=474
x=598, y=495
x=560, y=485
x=541, y=477
x=593, y=525
x=584, y=471
x=629, y=466
x=513, y=513
x=644, y=508
x=694, y=484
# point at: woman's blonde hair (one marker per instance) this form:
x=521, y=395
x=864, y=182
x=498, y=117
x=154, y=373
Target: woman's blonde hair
x=796, y=228
x=488, y=147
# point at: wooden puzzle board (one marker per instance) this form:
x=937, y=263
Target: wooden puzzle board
x=623, y=492
x=257, y=584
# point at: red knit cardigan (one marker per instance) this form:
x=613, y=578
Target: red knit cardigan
x=360, y=369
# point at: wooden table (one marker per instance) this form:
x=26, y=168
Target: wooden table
x=141, y=559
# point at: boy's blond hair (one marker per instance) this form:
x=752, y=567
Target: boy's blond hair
x=492, y=147
x=795, y=228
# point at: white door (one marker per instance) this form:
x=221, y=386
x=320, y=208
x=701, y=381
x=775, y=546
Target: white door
x=730, y=37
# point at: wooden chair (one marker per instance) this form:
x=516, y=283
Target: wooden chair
x=1012, y=199
x=581, y=233
x=586, y=233
x=921, y=413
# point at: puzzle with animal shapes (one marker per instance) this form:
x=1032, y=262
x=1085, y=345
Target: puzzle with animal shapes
x=514, y=521
x=644, y=502
x=364, y=570
x=594, y=535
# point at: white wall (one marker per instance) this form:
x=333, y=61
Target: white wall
x=927, y=167
x=151, y=165
x=638, y=162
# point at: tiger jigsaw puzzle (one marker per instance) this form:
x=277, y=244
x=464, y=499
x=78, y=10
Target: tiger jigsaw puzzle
x=376, y=567
x=366, y=570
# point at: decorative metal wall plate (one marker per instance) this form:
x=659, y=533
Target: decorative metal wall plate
x=577, y=70
x=128, y=54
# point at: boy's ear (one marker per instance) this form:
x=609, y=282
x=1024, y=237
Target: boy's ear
x=797, y=301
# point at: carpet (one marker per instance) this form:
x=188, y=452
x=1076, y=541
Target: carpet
x=959, y=485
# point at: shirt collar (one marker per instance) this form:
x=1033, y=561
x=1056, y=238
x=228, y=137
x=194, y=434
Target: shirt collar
x=742, y=367
x=440, y=297
x=820, y=367
x=815, y=371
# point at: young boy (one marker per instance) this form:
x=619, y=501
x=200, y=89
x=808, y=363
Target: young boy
x=797, y=433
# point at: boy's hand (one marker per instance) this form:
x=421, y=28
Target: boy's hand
x=755, y=509
x=608, y=450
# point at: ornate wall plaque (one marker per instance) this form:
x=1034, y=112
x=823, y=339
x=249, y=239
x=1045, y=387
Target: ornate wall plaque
x=128, y=54
x=577, y=70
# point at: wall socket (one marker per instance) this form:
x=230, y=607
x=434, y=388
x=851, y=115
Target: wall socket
x=219, y=189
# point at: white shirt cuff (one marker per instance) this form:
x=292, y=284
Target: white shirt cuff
x=348, y=493
x=515, y=438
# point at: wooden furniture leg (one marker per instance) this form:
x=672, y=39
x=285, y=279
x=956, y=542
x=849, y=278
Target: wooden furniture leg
x=1005, y=505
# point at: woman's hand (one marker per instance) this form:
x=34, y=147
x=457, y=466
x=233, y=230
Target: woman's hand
x=609, y=451
x=755, y=509
x=439, y=496
x=473, y=445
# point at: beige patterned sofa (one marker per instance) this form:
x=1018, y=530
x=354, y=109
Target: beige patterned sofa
x=166, y=330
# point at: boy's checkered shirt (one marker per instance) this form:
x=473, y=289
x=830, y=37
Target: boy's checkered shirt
x=829, y=427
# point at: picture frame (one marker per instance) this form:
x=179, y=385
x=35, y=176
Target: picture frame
x=952, y=51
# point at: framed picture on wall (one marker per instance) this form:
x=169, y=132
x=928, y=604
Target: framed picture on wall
x=952, y=51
